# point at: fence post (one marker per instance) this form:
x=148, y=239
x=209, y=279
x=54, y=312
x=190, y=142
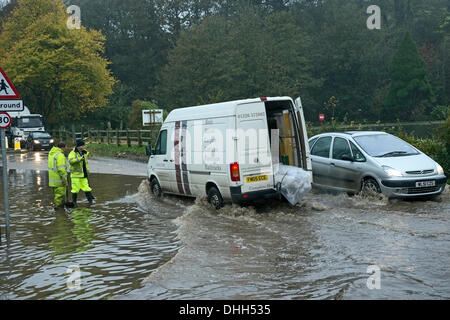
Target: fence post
x=89, y=134
x=139, y=138
x=108, y=133
x=150, y=135
x=82, y=132
x=128, y=139
x=67, y=134
x=118, y=137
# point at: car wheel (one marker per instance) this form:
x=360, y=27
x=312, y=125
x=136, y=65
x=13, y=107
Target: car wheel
x=370, y=185
x=156, y=188
x=215, y=198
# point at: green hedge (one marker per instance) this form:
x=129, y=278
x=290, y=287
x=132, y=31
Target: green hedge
x=437, y=147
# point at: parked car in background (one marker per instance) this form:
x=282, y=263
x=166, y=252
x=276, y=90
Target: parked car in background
x=39, y=140
x=374, y=161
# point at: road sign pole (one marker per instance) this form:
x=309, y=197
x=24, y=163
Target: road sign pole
x=5, y=182
x=9, y=101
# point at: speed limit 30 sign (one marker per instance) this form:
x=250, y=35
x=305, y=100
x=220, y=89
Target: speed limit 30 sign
x=5, y=120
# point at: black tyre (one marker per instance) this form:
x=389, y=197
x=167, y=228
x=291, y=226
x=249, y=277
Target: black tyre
x=370, y=185
x=215, y=198
x=156, y=188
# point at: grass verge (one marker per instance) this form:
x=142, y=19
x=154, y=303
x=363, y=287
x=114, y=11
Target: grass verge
x=121, y=152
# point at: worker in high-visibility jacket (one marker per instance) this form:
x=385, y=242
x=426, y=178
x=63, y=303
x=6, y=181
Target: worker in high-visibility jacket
x=57, y=174
x=79, y=170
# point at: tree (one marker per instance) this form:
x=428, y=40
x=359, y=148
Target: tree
x=59, y=73
x=136, y=42
x=116, y=111
x=410, y=93
x=135, y=117
x=6, y=7
x=250, y=55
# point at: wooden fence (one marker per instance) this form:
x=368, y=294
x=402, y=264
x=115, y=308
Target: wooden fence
x=108, y=136
x=148, y=137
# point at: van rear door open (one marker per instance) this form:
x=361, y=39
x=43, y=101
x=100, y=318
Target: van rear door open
x=253, y=147
x=306, y=153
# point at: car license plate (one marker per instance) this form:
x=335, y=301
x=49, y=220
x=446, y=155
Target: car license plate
x=45, y=145
x=257, y=178
x=423, y=184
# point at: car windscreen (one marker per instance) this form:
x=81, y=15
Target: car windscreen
x=385, y=145
x=41, y=135
x=29, y=122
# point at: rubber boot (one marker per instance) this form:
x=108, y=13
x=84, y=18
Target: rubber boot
x=90, y=197
x=74, y=198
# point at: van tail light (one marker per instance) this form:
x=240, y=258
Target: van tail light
x=234, y=172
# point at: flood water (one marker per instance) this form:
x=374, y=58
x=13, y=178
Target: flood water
x=131, y=246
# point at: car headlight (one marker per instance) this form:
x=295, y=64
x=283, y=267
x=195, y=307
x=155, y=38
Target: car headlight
x=392, y=172
x=51, y=140
x=36, y=141
x=439, y=169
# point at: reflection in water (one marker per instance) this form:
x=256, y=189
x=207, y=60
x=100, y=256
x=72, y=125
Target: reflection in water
x=82, y=230
x=71, y=232
x=37, y=157
x=134, y=246
x=115, y=243
x=62, y=239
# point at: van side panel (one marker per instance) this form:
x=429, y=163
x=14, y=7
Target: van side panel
x=200, y=156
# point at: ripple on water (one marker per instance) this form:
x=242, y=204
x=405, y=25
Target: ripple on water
x=114, y=242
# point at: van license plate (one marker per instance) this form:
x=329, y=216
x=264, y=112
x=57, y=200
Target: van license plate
x=257, y=178
x=423, y=184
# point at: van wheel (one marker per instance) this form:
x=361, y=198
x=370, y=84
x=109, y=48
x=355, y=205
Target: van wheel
x=215, y=198
x=156, y=188
x=370, y=185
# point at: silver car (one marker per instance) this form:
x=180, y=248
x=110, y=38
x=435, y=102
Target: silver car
x=374, y=161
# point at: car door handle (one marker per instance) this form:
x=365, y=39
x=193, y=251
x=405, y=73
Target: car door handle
x=332, y=164
x=165, y=160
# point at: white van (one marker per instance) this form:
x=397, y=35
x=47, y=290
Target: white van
x=228, y=151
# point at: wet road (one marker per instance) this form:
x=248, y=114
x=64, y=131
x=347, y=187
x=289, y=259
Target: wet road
x=38, y=161
x=131, y=246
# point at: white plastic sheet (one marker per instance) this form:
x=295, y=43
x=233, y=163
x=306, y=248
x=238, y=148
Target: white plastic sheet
x=295, y=182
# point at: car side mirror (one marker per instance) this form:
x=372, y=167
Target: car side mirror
x=346, y=157
x=148, y=151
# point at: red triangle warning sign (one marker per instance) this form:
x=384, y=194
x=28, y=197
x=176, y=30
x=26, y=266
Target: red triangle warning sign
x=7, y=90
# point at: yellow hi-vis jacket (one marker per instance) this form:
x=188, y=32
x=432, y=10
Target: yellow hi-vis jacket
x=57, y=168
x=76, y=164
